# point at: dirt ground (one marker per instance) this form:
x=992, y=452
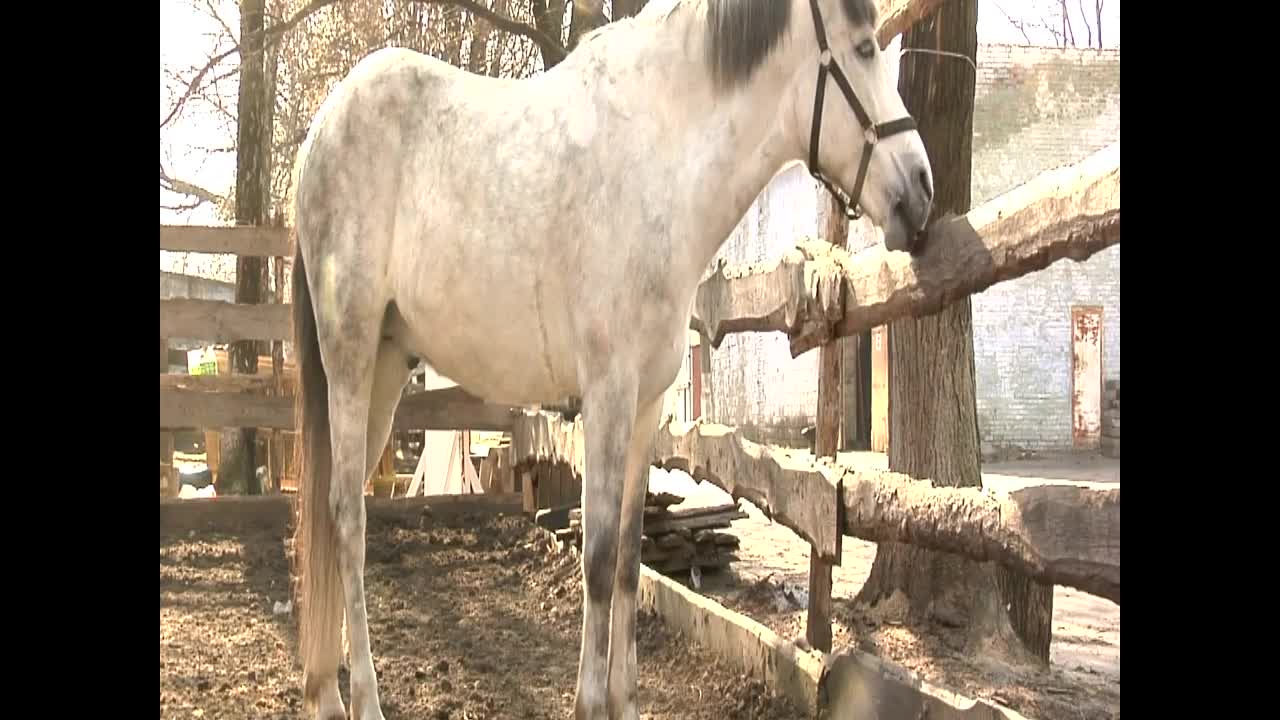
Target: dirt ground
x=469, y=620
x=770, y=583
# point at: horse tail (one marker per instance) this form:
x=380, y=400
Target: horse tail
x=320, y=598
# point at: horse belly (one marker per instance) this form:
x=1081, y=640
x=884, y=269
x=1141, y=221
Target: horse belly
x=493, y=350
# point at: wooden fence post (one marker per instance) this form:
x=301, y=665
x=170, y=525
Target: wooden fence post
x=826, y=443
x=168, y=474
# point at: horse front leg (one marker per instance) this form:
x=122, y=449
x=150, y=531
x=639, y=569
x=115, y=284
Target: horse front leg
x=608, y=416
x=623, y=697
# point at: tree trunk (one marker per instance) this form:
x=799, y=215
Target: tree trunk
x=548, y=16
x=253, y=152
x=933, y=429
x=627, y=8
x=587, y=16
x=478, y=57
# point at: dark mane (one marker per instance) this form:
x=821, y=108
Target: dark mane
x=742, y=33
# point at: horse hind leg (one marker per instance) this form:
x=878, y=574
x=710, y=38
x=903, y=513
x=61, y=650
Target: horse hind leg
x=351, y=386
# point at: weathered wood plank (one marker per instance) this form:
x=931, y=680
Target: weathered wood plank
x=242, y=240
x=541, y=436
x=826, y=444
x=198, y=409
x=1060, y=534
x=219, y=321
x=795, y=493
x=446, y=409
x=221, y=383
x=815, y=291
x=236, y=513
x=452, y=408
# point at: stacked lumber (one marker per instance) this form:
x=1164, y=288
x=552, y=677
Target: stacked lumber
x=674, y=541
x=1111, y=419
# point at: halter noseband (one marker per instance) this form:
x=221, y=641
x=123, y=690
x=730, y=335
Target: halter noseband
x=849, y=204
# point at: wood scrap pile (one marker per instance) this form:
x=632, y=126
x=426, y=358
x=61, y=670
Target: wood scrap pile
x=1110, y=443
x=674, y=541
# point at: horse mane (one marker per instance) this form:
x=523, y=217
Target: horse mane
x=742, y=33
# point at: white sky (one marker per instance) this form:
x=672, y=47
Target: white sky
x=188, y=35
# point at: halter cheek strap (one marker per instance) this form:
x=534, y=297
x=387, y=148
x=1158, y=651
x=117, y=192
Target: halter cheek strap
x=849, y=204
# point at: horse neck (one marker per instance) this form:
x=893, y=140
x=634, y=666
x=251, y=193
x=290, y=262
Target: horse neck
x=723, y=144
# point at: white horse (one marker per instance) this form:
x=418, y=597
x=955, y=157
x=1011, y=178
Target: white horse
x=541, y=240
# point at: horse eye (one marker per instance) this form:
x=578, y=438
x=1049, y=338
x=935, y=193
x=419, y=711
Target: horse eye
x=866, y=49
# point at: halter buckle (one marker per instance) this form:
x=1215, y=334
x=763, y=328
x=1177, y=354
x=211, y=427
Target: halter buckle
x=871, y=136
x=825, y=58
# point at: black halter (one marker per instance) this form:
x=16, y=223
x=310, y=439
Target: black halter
x=849, y=204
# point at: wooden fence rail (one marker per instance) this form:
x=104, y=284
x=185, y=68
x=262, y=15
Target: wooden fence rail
x=816, y=290
x=1060, y=534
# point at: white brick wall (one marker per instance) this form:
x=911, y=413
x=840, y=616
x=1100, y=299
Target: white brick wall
x=757, y=385
x=1022, y=349
x=1035, y=109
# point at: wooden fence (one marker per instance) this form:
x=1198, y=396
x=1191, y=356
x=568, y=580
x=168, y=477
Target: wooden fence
x=265, y=400
x=1061, y=534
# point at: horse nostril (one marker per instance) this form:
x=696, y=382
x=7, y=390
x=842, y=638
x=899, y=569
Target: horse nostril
x=925, y=184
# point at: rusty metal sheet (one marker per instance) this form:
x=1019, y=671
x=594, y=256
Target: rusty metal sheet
x=880, y=389
x=1086, y=376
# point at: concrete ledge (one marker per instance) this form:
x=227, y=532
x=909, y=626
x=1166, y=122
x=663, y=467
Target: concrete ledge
x=753, y=648
x=845, y=685
x=858, y=686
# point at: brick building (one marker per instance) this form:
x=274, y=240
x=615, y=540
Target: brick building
x=1035, y=108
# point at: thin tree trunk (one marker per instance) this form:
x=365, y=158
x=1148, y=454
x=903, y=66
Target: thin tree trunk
x=253, y=153
x=548, y=16
x=933, y=429
x=477, y=58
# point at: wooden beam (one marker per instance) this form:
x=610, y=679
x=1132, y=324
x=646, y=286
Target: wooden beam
x=792, y=491
x=199, y=409
x=447, y=409
x=816, y=291
x=236, y=513
x=452, y=408
x=1058, y=534
x=220, y=383
x=218, y=321
x=241, y=240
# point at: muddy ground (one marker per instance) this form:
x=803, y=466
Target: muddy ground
x=469, y=619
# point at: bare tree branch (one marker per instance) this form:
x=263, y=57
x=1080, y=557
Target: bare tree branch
x=183, y=208
x=267, y=34
x=183, y=187
x=548, y=45
x=1019, y=25
x=1098, y=19
x=1088, y=28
